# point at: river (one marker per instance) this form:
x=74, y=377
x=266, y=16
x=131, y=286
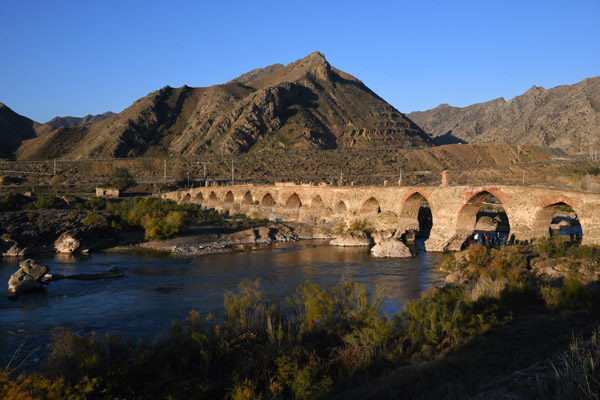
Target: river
x=159, y=289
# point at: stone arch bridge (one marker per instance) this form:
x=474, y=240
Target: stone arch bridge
x=453, y=208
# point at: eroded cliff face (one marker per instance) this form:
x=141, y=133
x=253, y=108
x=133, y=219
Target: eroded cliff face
x=307, y=104
x=565, y=117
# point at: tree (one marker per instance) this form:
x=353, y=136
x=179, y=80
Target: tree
x=122, y=179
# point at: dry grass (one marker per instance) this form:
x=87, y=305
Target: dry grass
x=485, y=287
x=576, y=373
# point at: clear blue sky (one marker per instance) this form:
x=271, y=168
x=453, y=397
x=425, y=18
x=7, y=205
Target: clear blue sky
x=79, y=57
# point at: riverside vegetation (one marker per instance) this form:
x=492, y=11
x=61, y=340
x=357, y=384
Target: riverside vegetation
x=337, y=342
x=33, y=224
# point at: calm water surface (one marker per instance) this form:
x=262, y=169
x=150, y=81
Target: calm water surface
x=158, y=290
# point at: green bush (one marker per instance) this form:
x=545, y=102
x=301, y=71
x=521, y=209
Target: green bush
x=160, y=218
x=93, y=204
x=122, y=179
x=593, y=171
x=358, y=225
x=555, y=246
x=92, y=219
x=46, y=201
x=444, y=317
x=12, y=202
x=573, y=294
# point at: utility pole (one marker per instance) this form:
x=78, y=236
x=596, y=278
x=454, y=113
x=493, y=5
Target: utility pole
x=188, y=176
x=54, y=167
x=341, y=178
x=523, y=177
x=400, y=178
x=165, y=170
x=204, y=170
x=232, y=173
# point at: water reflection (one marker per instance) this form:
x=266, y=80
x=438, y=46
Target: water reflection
x=157, y=290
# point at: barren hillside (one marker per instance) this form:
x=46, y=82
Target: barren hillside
x=305, y=105
x=565, y=117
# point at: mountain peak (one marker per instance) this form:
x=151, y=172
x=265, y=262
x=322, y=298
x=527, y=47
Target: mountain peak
x=315, y=64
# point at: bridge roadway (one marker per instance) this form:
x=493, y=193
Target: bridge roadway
x=454, y=208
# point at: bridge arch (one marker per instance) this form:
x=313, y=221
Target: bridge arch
x=212, y=197
x=228, y=198
x=199, y=198
x=267, y=200
x=483, y=211
x=416, y=214
x=293, y=201
x=340, y=207
x=552, y=219
x=247, y=199
x=370, y=206
x=187, y=199
x=317, y=202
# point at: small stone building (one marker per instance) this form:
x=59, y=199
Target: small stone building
x=107, y=192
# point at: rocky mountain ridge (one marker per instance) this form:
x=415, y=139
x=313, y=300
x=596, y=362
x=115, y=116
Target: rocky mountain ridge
x=71, y=122
x=14, y=128
x=305, y=105
x=565, y=117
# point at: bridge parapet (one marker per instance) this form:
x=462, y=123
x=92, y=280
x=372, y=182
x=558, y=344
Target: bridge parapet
x=453, y=208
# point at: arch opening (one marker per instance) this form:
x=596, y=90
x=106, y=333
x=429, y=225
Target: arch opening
x=317, y=202
x=416, y=214
x=370, y=206
x=293, y=201
x=483, y=219
x=212, y=197
x=247, y=199
x=558, y=219
x=187, y=199
x=340, y=207
x=267, y=200
x=199, y=197
x=228, y=197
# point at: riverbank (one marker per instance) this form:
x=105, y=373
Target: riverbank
x=332, y=342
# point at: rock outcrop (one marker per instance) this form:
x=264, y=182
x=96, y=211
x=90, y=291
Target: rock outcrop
x=565, y=117
x=353, y=239
x=68, y=242
x=28, y=278
x=56, y=230
x=391, y=247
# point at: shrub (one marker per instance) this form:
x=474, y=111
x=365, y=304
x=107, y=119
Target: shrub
x=577, y=376
x=573, y=294
x=93, y=203
x=45, y=201
x=443, y=317
x=94, y=220
x=358, y=225
x=593, y=171
x=122, y=179
x=248, y=308
x=162, y=227
x=555, y=246
x=12, y=202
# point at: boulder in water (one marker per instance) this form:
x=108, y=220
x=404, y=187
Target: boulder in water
x=28, y=278
x=391, y=247
x=68, y=242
